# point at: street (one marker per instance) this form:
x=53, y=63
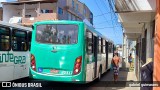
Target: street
x=104, y=84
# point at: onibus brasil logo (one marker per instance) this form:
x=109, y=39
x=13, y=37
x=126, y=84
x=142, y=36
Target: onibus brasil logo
x=9, y=57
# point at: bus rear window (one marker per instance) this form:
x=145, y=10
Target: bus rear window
x=57, y=34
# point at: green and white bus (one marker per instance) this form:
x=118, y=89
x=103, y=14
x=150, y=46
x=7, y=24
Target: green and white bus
x=14, y=51
x=68, y=51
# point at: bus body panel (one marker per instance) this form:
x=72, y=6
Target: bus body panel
x=21, y=64
x=90, y=67
x=6, y=73
x=104, y=63
x=103, y=60
x=110, y=56
x=62, y=59
x=13, y=64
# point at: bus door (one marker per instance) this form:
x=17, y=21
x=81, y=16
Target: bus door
x=95, y=45
x=106, y=55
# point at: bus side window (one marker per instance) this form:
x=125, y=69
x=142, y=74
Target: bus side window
x=112, y=47
x=5, y=39
x=29, y=39
x=99, y=45
x=103, y=46
x=89, y=42
x=19, y=40
x=109, y=47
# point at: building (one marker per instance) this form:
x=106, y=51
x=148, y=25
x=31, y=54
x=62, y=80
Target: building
x=156, y=70
x=119, y=49
x=138, y=20
x=26, y=12
x=1, y=13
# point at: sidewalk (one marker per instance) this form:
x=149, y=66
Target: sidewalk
x=125, y=74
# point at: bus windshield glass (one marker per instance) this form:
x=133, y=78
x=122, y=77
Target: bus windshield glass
x=57, y=34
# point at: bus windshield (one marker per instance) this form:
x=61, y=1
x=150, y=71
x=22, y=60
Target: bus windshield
x=57, y=34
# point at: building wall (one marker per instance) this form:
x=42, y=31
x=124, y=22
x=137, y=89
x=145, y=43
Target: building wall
x=30, y=9
x=62, y=4
x=149, y=49
x=83, y=11
x=138, y=56
x=156, y=69
x=74, y=11
x=1, y=14
x=9, y=11
x=147, y=29
x=87, y=15
x=125, y=47
x=81, y=7
x=49, y=6
x=65, y=10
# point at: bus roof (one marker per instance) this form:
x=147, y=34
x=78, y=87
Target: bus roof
x=15, y=26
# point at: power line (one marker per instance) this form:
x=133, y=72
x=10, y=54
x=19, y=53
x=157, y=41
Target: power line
x=112, y=22
x=104, y=4
x=110, y=5
x=107, y=20
x=101, y=11
x=103, y=22
x=115, y=17
x=107, y=27
x=102, y=14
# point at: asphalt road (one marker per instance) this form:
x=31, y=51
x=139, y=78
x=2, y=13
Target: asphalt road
x=95, y=85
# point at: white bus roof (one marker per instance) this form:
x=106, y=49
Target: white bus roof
x=15, y=26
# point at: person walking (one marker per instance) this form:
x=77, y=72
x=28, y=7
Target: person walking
x=130, y=60
x=115, y=64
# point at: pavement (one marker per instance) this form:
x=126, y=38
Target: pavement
x=106, y=82
x=125, y=74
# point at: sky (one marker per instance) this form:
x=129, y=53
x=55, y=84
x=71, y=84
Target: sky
x=105, y=21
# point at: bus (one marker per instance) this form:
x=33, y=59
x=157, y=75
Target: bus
x=15, y=41
x=68, y=51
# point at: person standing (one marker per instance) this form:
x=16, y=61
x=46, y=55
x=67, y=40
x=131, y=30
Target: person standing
x=115, y=63
x=130, y=59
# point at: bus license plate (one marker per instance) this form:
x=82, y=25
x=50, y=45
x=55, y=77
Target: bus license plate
x=54, y=71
